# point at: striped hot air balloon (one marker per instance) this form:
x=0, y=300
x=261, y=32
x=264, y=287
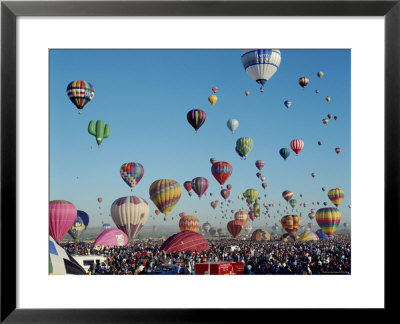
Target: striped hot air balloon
x=199, y=185
x=62, y=215
x=296, y=145
x=189, y=223
x=287, y=195
x=291, y=223
x=303, y=81
x=235, y=227
x=196, y=118
x=221, y=171
x=165, y=194
x=80, y=93
x=328, y=219
x=260, y=164
x=336, y=196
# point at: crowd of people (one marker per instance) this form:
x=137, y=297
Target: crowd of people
x=331, y=256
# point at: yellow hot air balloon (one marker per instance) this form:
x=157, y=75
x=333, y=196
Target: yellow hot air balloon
x=336, y=196
x=328, y=219
x=328, y=99
x=291, y=223
x=165, y=194
x=212, y=99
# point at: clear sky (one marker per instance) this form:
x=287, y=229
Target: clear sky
x=145, y=95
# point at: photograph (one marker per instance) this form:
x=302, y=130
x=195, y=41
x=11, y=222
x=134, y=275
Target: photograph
x=200, y=161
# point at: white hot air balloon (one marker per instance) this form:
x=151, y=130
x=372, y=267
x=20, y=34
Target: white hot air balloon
x=248, y=228
x=261, y=64
x=130, y=214
x=232, y=124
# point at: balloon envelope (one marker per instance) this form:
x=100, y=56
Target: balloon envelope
x=80, y=92
x=260, y=235
x=62, y=215
x=131, y=173
x=221, y=171
x=185, y=241
x=165, y=194
x=232, y=124
x=111, y=237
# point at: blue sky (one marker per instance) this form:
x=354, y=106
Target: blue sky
x=145, y=95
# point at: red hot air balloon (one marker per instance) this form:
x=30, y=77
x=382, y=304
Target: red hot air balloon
x=62, y=217
x=235, y=227
x=157, y=211
x=99, y=199
x=229, y=186
x=296, y=145
x=196, y=118
x=260, y=164
x=185, y=241
x=221, y=171
x=187, y=185
x=214, y=89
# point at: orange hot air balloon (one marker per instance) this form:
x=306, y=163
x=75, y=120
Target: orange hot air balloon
x=235, y=227
x=189, y=223
x=291, y=223
x=242, y=216
x=336, y=196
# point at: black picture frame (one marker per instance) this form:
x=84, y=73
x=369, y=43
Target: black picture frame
x=10, y=10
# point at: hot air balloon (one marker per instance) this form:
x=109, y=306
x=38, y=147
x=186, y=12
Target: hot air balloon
x=335, y=117
x=308, y=236
x=214, y=203
x=157, y=211
x=182, y=214
x=111, y=237
x=256, y=208
x=287, y=195
x=196, y=118
x=80, y=93
x=321, y=235
x=79, y=225
x=62, y=215
x=284, y=152
x=260, y=235
x=214, y=89
x=260, y=164
x=325, y=121
x=264, y=185
x=232, y=124
x=206, y=227
x=287, y=103
x=244, y=146
x=338, y=150
x=319, y=143
x=225, y=193
x=199, y=186
x=212, y=99
x=336, y=195
x=261, y=64
x=293, y=202
x=99, y=131
x=213, y=160
x=131, y=173
x=221, y=171
x=291, y=223
x=185, y=241
x=328, y=219
x=106, y=226
x=130, y=214
x=323, y=188
x=165, y=194
x=235, y=227
x=317, y=91
x=262, y=178
x=303, y=81
x=311, y=216
x=242, y=216
x=189, y=223
x=296, y=145
x=251, y=215
x=313, y=175
x=248, y=228
x=187, y=185
x=213, y=231
x=251, y=195
x=329, y=116
x=247, y=93
x=320, y=74
x=328, y=99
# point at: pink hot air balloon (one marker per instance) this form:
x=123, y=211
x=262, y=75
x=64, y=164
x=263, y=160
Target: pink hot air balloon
x=62, y=216
x=260, y=164
x=247, y=93
x=111, y=237
x=296, y=145
x=214, y=89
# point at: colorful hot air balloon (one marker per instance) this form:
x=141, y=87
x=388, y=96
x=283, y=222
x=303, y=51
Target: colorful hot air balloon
x=313, y=175
x=242, y=216
x=213, y=160
x=264, y=185
x=336, y=196
x=99, y=131
x=325, y=121
x=261, y=64
x=291, y=223
x=248, y=228
x=212, y=99
x=293, y=202
x=247, y=93
x=62, y=215
x=225, y=193
x=196, y=118
x=328, y=99
x=131, y=173
x=308, y=236
x=187, y=185
x=284, y=152
x=157, y=211
x=189, y=223
x=303, y=81
x=130, y=214
x=256, y=208
x=214, y=89
x=244, y=145
x=260, y=164
x=260, y=235
x=221, y=171
x=311, y=216
x=214, y=203
x=165, y=194
x=80, y=93
x=251, y=195
x=287, y=103
x=320, y=74
x=229, y=186
x=235, y=227
x=287, y=195
x=328, y=219
x=199, y=186
x=206, y=227
x=79, y=225
x=232, y=124
x=338, y=150
x=296, y=145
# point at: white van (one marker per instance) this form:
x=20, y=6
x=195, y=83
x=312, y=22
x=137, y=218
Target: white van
x=87, y=260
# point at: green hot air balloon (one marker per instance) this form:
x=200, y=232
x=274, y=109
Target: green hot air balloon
x=256, y=207
x=293, y=202
x=284, y=152
x=99, y=131
x=251, y=195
